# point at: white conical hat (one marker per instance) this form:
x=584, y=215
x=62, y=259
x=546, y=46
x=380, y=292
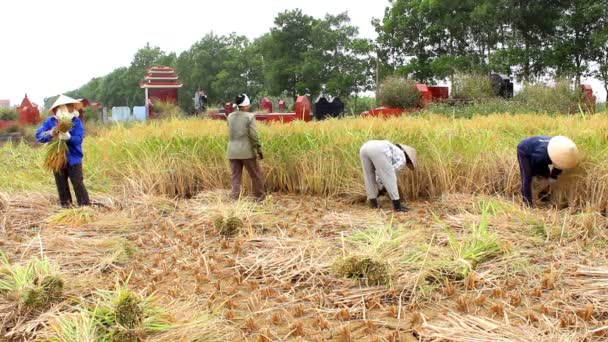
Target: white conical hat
x=411, y=154
x=63, y=100
x=563, y=152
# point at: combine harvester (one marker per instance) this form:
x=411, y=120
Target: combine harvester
x=428, y=94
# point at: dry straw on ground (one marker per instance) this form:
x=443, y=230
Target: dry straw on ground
x=275, y=278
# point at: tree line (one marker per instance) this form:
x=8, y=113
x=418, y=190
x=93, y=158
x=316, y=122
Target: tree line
x=427, y=40
x=526, y=39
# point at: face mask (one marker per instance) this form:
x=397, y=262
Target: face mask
x=63, y=113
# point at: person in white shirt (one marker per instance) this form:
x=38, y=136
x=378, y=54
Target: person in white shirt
x=381, y=160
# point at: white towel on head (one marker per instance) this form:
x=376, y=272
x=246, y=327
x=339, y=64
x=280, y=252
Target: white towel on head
x=246, y=102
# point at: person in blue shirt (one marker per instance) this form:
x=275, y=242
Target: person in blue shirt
x=66, y=107
x=536, y=154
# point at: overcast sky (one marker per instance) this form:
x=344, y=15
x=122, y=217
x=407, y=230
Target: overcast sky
x=49, y=47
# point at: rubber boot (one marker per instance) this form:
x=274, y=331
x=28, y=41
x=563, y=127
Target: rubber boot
x=397, y=206
x=373, y=203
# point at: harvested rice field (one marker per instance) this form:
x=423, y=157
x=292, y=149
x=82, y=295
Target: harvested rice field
x=461, y=267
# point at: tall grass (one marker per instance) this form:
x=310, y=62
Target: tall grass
x=180, y=157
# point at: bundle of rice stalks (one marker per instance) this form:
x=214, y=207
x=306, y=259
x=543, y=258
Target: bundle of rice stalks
x=73, y=217
x=373, y=272
x=117, y=315
x=479, y=246
x=127, y=316
x=380, y=242
x=56, y=155
x=229, y=227
x=74, y=327
x=32, y=286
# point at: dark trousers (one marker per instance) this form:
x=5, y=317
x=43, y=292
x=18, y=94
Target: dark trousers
x=236, y=166
x=525, y=170
x=74, y=174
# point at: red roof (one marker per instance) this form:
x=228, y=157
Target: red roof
x=26, y=102
x=161, y=69
x=160, y=84
x=161, y=77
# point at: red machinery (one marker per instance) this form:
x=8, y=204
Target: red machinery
x=428, y=94
x=302, y=112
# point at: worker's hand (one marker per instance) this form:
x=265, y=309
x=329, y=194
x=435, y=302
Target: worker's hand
x=260, y=155
x=65, y=136
x=545, y=196
x=54, y=131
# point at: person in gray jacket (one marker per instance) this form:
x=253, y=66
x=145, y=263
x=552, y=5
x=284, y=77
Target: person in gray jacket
x=381, y=160
x=243, y=148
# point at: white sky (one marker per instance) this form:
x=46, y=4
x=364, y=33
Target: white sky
x=49, y=47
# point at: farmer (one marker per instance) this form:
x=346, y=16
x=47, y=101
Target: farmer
x=66, y=107
x=535, y=154
x=381, y=160
x=243, y=148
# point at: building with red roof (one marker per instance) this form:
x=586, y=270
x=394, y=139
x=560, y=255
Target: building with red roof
x=160, y=84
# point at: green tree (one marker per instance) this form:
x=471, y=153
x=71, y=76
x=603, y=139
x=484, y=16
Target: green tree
x=200, y=66
x=285, y=51
x=574, y=40
x=404, y=38
x=600, y=53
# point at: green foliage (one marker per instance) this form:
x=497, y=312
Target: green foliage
x=299, y=53
x=469, y=110
x=560, y=98
x=399, y=92
x=472, y=87
x=432, y=40
x=9, y=114
x=357, y=105
x=165, y=110
x=90, y=114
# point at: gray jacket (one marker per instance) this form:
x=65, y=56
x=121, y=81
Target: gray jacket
x=244, y=142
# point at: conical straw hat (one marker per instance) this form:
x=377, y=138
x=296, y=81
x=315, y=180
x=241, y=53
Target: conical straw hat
x=64, y=100
x=411, y=154
x=563, y=152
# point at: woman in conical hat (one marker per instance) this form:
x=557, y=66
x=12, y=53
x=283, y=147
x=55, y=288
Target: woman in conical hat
x=66, y=108
x=536, y=155
x=381, y=160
